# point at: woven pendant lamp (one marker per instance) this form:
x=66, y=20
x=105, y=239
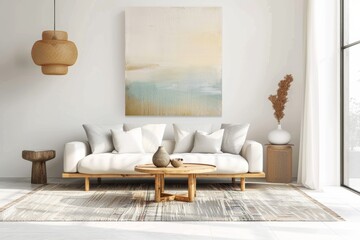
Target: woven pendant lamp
x=54, y=53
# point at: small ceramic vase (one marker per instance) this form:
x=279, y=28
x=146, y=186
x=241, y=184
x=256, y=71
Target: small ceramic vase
x=161, y=158
x=176, y=162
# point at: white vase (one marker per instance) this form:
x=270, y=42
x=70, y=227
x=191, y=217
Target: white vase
x=279, y=136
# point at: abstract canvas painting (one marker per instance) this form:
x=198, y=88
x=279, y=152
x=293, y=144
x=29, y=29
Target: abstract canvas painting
x=173, y=61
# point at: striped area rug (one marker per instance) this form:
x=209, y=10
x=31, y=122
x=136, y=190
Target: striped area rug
x=134, y=202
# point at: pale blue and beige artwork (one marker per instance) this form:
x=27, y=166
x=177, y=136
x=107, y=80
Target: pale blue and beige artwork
x=173, y=61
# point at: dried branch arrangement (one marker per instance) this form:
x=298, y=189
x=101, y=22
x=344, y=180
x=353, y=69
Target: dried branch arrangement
x=279, y=100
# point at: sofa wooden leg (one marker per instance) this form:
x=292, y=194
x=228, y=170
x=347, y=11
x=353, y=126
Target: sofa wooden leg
x=242, y=184
x=99, y=181
x=233, y=180
x=87, y=184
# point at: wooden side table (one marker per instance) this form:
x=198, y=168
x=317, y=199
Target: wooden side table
x=38, y=159
x=279, y=163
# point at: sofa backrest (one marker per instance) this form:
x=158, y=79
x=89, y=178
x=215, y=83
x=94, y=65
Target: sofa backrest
x=168, y=138
x=169, y=130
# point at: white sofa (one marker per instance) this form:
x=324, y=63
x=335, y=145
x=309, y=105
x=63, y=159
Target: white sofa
x=80, y=163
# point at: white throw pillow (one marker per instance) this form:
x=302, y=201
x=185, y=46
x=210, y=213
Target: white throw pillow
x=128, y=142
x=205, y=143
x=152, y=135
x=184, y=136
x=99, y=137
x=234, y=137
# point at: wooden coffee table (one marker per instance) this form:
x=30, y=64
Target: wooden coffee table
x=189, y=169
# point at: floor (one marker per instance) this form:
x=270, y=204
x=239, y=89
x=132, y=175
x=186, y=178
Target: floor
x=354, y=183
x=341, y=200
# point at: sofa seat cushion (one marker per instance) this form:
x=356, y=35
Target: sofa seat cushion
x=226, y=163
x=109, y=163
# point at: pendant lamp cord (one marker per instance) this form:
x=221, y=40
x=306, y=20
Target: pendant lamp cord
x=54, y=15
x=54, y=37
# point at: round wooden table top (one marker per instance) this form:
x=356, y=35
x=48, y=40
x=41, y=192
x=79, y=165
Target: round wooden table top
x=38, y=155
x=186, y=168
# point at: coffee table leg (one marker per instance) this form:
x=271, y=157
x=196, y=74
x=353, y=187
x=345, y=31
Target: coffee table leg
x=38, y=172
x=195, y=183
x=162, y=183
x=191, y=187
x=157, y=187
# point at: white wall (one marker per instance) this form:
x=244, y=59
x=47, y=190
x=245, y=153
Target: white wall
x=262, y=41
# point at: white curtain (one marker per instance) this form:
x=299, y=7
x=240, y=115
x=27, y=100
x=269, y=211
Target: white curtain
x=319, y=158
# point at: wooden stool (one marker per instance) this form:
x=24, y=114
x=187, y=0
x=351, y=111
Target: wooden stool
x=38, y=159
